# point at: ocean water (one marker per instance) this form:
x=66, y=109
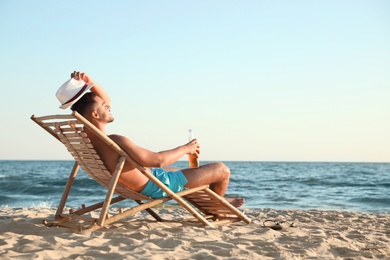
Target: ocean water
x=358, y=187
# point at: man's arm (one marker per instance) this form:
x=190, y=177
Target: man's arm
x=155, y=159
x=96, y=87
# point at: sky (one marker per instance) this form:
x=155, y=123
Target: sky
x=254, y=80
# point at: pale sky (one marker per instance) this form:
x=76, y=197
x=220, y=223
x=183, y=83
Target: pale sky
x=255, y=80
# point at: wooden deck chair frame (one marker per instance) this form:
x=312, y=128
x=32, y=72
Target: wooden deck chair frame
x=207, y=207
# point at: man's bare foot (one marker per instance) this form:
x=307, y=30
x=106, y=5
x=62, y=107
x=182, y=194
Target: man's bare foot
x=236, y=202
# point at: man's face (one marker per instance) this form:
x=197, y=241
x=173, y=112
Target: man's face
x=103, y=110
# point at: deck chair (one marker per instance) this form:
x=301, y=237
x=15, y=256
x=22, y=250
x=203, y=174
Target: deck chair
x=202, y=203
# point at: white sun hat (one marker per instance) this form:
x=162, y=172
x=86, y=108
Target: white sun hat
x=71, y=91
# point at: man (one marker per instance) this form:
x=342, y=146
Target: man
x=95, y=106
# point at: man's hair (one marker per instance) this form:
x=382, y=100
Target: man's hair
x=84, y=103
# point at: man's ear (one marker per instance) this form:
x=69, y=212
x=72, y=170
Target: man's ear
x=95, y=114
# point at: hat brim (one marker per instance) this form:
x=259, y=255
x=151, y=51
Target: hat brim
x=66, y=105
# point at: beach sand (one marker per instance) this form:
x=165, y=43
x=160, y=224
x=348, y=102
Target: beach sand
x=316, y=235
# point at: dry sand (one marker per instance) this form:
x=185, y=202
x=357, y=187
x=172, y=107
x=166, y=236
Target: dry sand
x=316, y=235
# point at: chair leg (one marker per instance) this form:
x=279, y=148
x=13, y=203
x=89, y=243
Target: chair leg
x=110, y=191
x=151, y=212
x=68, y=186
x=96, y=206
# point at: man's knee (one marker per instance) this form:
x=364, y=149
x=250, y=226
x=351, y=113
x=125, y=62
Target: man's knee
x=223, y=169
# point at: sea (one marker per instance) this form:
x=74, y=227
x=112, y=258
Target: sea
x=357, y=187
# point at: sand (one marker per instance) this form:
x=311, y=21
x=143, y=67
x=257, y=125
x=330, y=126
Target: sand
x=316, y=235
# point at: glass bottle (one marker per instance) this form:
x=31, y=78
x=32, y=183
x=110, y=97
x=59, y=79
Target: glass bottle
x=193, y=160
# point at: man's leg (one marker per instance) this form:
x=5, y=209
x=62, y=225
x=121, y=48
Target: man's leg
x=217, y=175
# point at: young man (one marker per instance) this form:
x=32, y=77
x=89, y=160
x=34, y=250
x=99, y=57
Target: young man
x=95, y=107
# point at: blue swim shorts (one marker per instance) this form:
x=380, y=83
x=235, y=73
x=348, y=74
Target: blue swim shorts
x=173, y=180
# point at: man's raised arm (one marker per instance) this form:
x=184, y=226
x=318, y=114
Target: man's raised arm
x=96, y=87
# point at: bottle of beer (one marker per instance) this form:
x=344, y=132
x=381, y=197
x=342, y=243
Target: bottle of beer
x=193, y=160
